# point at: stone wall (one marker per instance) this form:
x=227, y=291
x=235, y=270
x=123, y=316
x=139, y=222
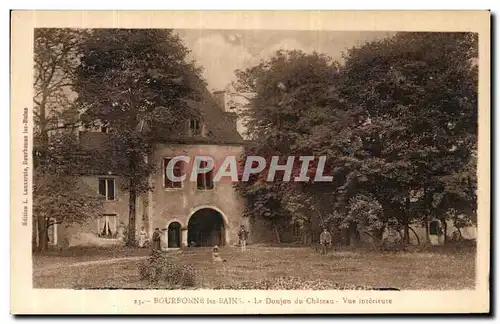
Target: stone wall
x=179, y=204
x=87, y=234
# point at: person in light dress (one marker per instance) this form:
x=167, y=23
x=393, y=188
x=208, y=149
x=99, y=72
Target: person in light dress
x=143, y=237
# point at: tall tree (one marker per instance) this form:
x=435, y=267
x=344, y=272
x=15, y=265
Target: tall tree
x=56, y=54
x=291, y=111
x=59, y=195
x=137, y=82
x=397, y=123
x=418, y=93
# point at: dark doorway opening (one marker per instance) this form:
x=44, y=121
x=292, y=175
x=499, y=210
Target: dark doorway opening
x=174, y=235
x=206, y=228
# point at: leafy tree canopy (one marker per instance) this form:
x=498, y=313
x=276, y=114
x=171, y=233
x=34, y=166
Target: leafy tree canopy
x=397, y=122
x=136, y=82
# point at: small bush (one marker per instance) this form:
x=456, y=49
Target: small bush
x=159, y=268
x=388, y=246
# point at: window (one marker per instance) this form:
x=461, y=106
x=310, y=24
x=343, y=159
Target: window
x=194, y=127
x=103, y=127
x=205, y=180
x=107, y=188
x=434, y=228
x=177, y=171
x=106, y=226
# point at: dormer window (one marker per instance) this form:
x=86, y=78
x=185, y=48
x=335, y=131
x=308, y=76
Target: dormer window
x=104, y=127
x=194, y=127
x=99, y=127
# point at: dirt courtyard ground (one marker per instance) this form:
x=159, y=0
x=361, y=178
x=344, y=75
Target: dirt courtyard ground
x=434, y=270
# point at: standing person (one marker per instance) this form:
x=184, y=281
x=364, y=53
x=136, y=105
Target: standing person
x=156, y=240
x=243, y=237
x=143, y=237
x=325, y=240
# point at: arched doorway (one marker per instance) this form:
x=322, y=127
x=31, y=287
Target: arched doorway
x=174, y=235
x=206, y=228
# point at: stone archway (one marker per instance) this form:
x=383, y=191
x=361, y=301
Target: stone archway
x=206, y=227
x=174, y=235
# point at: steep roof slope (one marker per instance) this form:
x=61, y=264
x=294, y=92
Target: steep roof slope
x=221, y=124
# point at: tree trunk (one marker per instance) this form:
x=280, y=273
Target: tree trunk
x=426, y=223
x=406, y=231
x=344, y=234
x=416, y=235
x=445, y=230
x=131, y=213
x=132, y=201
x=42, y=234
x=44, y=138
x=353, y=234
x=34, y=230
x=406, y=221
x=276, y=232
x=427, y=202
x=377, y=235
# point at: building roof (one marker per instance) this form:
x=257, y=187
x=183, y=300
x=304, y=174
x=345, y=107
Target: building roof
x=220, y=124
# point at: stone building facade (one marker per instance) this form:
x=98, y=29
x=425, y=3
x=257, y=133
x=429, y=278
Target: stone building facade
x=201, y=213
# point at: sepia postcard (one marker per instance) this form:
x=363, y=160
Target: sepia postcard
x=250, y=162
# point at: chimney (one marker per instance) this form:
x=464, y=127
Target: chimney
x=220, y=97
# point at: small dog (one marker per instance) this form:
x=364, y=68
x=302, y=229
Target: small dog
x=215, y=255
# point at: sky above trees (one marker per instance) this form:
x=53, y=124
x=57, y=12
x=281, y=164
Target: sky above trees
x=221, y=52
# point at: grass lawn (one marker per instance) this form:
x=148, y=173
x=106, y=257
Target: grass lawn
x=53, y=259
x=402, y=270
